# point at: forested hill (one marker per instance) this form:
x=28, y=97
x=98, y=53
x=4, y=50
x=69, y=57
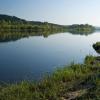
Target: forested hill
x=10, y=18
x=16, y=20
x=12, y=22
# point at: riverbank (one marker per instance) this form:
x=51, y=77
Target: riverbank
x=96, y=46
x=76, y=81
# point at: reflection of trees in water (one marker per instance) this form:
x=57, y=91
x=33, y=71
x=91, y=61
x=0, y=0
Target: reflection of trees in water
x=7, y=35
x=12, y=35
x=81, y=32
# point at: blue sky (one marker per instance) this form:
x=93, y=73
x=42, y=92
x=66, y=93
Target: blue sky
x=56, y=11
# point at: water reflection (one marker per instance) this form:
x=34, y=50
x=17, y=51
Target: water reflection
x=31, y=57
x=14, y=35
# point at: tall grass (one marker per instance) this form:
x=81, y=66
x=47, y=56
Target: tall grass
x=64, y=83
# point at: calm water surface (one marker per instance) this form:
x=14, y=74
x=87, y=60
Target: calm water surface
x=29, y=58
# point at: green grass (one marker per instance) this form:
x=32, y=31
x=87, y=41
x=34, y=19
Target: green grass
x=96, y=46
x=76, y=81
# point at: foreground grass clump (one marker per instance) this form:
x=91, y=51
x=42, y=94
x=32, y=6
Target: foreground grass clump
x=97, y=47
x=76, y=81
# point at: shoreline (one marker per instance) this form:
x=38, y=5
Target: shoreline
x=76, y=81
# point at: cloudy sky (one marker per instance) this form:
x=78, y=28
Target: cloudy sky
x=56, y=11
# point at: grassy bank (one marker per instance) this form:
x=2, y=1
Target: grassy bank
x=96, y=46
x=76, y=81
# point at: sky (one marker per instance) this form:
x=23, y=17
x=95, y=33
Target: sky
x=64, y=12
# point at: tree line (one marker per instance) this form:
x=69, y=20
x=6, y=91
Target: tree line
x=13, y=28
x=13, y=23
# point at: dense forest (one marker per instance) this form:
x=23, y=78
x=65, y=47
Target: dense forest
x=83, y=29
x=12, y=23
